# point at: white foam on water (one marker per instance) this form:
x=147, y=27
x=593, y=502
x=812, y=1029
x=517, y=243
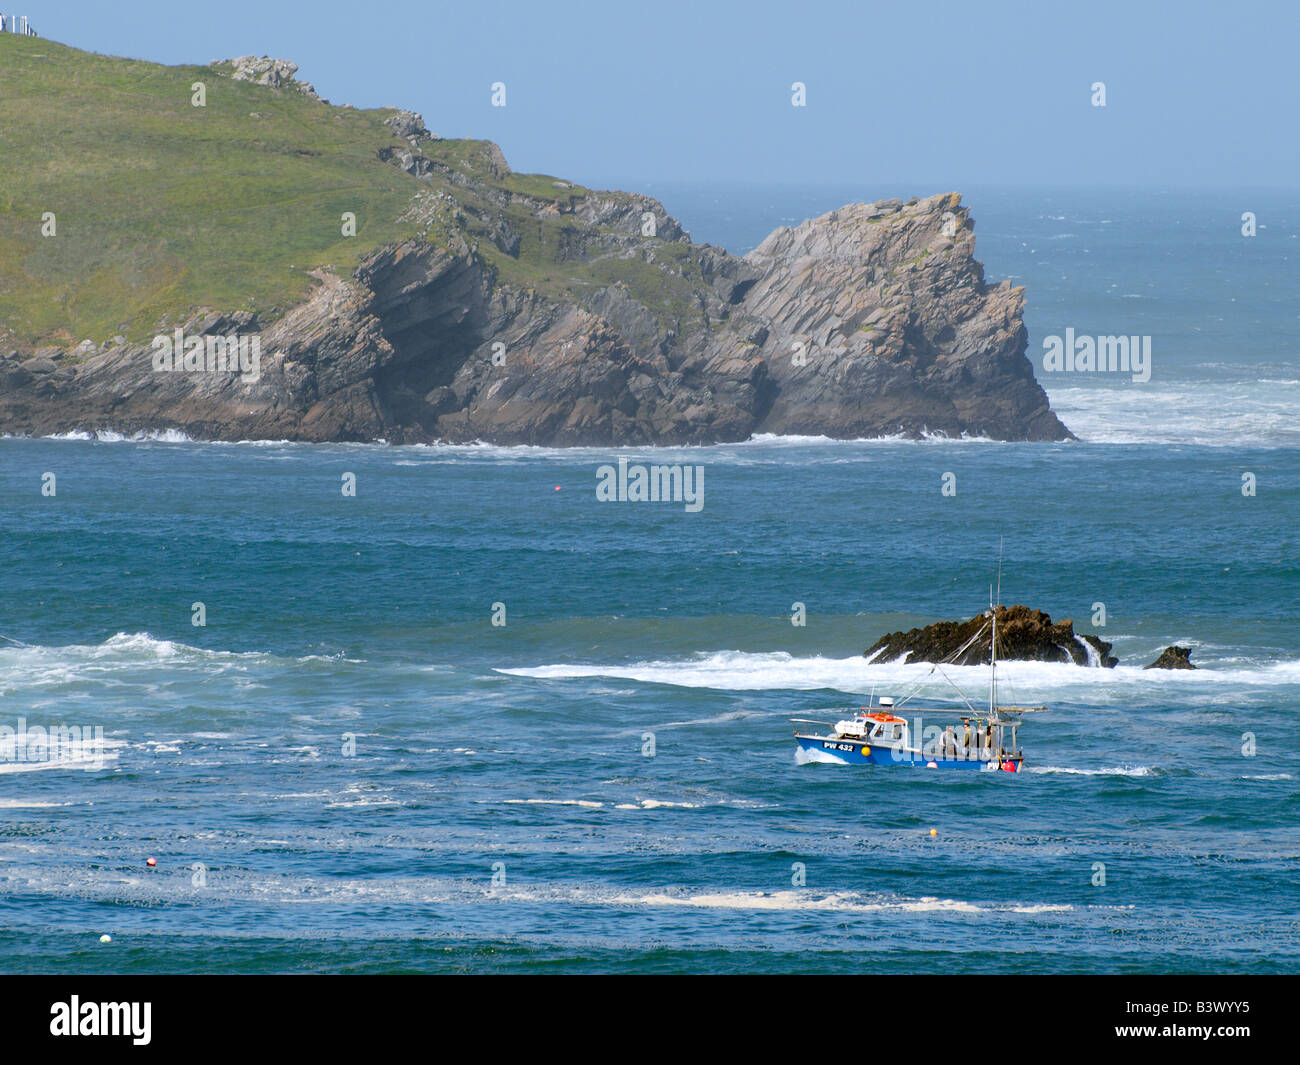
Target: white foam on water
x=1113, y=771
x=716, y=719
x=764, y=671
x=111, y=436
x=796, y=440
x=812, y=756
x=1094, y=657
x=638, y=804
x=25, y=666
x=173, y=884
x=793, y=901
x=82, y=755
x=437, y=453
x=1255, y=413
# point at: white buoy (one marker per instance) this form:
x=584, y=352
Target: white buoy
x=106, y=938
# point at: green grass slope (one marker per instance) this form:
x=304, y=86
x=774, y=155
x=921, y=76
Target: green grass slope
x=163, y=208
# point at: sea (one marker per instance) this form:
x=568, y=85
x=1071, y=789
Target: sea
x=274, y=707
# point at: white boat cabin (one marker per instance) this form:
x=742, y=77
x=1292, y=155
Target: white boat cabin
x=881, y=728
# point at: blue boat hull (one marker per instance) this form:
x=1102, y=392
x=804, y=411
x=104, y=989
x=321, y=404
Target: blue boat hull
x=859, y=752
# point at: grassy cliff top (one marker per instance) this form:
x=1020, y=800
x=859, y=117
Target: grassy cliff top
x=162, y=207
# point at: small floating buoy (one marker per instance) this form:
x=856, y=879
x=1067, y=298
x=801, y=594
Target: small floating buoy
x=106, y=938
x=151, y=862
x=558, y=488
x=933, y=832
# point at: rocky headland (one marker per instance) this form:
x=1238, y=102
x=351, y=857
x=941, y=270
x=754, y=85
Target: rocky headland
x=527, y=310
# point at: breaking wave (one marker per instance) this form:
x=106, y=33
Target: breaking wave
x=111, y=436
x=744, y=671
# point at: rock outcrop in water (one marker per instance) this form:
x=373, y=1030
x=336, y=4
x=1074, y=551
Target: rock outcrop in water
x=525, y=310
x=1022, y=634
x=1173, y=657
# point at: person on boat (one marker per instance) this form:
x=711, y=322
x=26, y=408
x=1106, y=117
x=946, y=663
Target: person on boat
x=965, y=734
x=949, y=743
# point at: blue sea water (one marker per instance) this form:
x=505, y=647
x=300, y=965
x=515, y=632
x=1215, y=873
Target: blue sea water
x=349, y=767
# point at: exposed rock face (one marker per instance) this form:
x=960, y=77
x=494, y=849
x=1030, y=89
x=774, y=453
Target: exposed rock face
x=409, y=125
x=264, y=70
x=902, y=333
x=1022, y=634
x=1173, y=657
x=870, y=320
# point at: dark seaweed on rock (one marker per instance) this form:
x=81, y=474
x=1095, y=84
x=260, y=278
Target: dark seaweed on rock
x=1173, y=657
x=1024, y=634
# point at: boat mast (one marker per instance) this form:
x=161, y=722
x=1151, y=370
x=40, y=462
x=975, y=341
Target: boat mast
x=993, y=641
x=993, y=658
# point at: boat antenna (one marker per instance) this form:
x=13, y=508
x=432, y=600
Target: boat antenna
x=1000, y=569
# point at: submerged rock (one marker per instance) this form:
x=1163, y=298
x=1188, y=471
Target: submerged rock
x=1173, y=657
x=1023, y=633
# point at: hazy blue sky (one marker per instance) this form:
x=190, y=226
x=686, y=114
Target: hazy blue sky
x=931, y=95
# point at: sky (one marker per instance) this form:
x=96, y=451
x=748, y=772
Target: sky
x=931, y=95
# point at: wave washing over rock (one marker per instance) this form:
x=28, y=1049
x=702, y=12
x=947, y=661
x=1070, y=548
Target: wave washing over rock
x=1023, y=633
x=1173, y=657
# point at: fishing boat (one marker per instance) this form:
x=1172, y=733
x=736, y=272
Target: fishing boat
x=877, y=734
